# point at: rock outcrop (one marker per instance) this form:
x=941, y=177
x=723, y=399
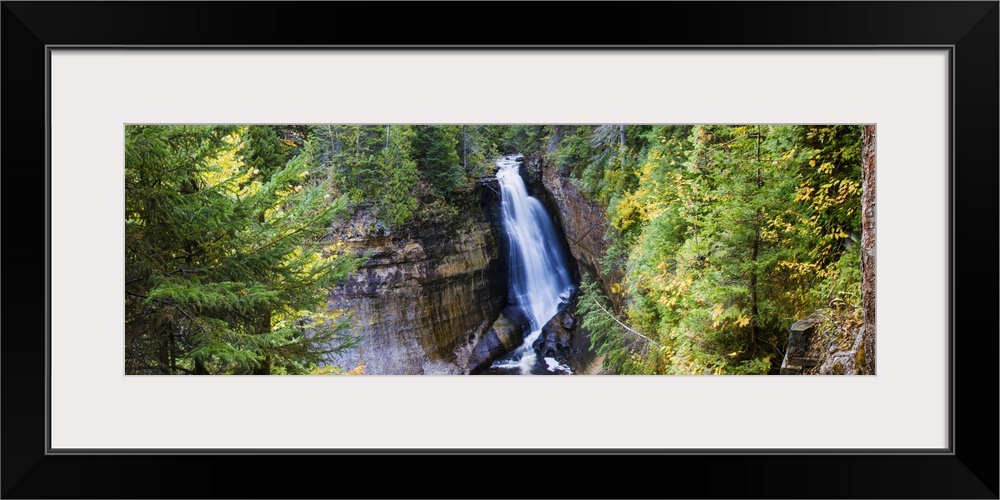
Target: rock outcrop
x=826, y=342
x=503, y=336
x=423, y=304
x=583, y=222
x=563, y=340
x=803, y=351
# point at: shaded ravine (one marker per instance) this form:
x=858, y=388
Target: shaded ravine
x=540, y=280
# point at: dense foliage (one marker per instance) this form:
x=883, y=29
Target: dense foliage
x=722, y=237
x=229, y=257
x=410, y=175
x=226, y=265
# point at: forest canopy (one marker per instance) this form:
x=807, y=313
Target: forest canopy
x=721, y=236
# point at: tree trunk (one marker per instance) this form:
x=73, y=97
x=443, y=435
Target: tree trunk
x=171, y=356
x=868, y=246
x=753, y=256
x=264, y=368
x=199, y=368
x=753, y=288
x=265, y=327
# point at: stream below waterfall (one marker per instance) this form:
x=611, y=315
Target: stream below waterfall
x=540, y=281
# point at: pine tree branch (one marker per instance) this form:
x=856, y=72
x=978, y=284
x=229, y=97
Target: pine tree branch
x=136, y=316
x=173, y=304
x=184, y=271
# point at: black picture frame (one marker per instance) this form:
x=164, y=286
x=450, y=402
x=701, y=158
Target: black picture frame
x=969, y=29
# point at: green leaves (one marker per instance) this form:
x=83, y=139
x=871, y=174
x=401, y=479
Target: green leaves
x=225, y=253
x=727, y=235
x=374, y=165
x=436, y=148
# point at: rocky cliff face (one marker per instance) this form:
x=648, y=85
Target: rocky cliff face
x=422, y=304
x=582, y=221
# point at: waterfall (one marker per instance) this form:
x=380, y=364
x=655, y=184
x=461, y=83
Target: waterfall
x=539, y=279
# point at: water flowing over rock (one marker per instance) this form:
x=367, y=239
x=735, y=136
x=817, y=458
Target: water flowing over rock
x=503, y=336
x=456, y=301
x=539, y=277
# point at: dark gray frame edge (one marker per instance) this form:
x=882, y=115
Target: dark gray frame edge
x=949, y=450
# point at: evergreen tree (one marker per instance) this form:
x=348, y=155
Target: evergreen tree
x=438, y=159
x=478, y=150
x=374, y=165
x=398, y=170
x=727, y=233
x=226, y=266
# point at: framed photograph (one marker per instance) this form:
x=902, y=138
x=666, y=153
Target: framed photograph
x=753, y=149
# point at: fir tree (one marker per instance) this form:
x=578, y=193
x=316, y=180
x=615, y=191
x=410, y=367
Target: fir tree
x=437, y=153
x=226, y=265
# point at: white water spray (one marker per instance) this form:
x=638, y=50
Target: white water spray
x=539, y=278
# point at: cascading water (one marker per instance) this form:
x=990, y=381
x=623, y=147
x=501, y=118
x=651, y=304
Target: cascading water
x=539, y=278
